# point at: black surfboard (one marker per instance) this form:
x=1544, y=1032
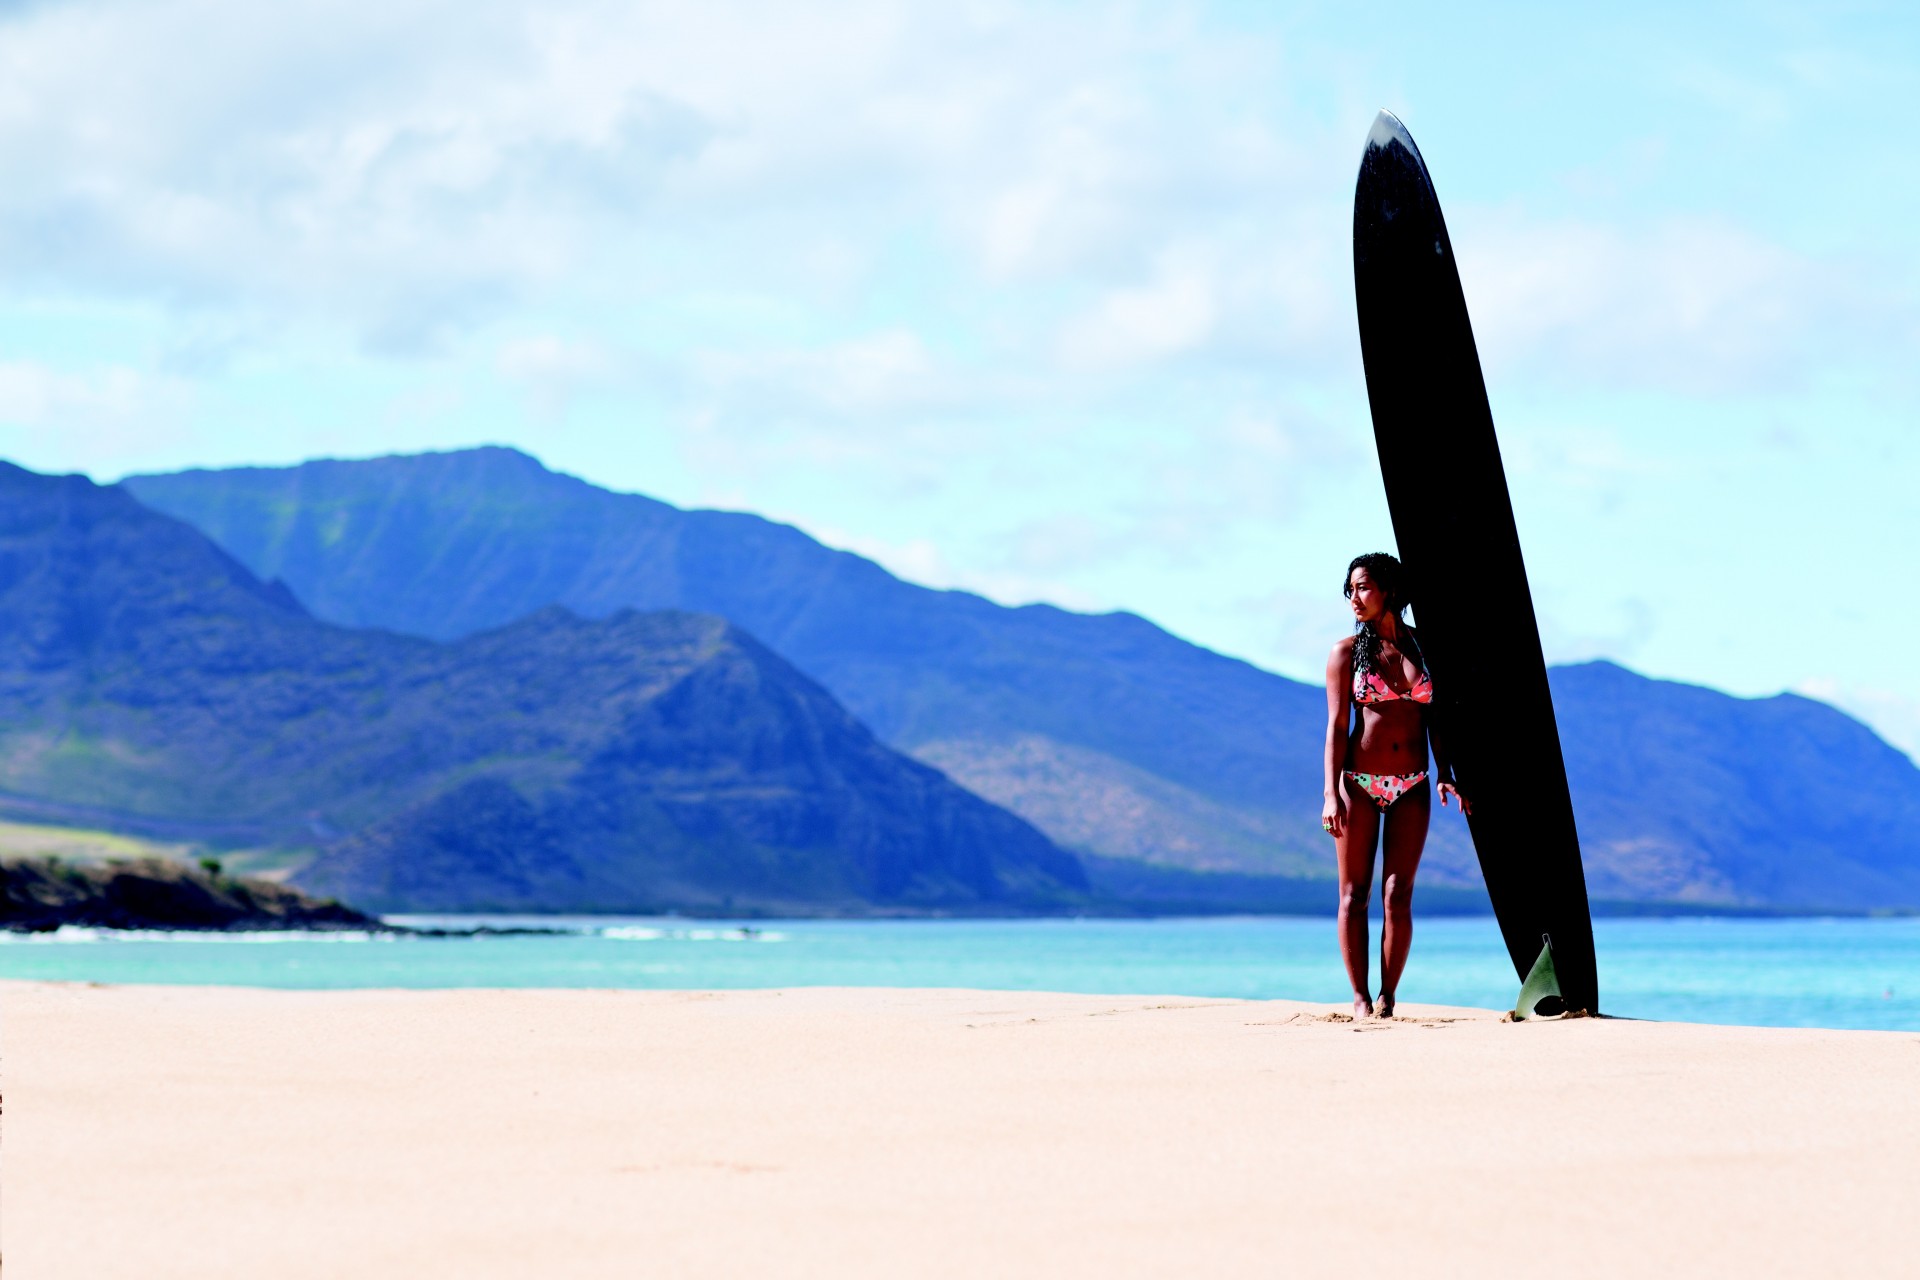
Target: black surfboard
x=1454, y=524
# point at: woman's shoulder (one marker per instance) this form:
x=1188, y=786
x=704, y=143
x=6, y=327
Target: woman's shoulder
x=1340, y=663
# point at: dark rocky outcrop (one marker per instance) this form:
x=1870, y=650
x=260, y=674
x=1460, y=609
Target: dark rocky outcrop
x=38, y=894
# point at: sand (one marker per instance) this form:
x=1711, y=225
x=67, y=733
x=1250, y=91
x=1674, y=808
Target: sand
x=205, y=1132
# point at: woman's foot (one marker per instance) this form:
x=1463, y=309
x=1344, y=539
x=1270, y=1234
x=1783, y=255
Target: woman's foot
x=1384, y=1009
x=1362, y=1007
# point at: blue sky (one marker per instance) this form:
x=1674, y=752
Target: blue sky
x=1052, y=302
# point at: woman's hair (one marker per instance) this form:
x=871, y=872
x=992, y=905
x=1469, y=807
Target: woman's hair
x=1391, y=577
x=1387, y=573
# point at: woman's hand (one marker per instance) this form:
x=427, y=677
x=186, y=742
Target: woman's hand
x=1333, y=815
x=1448, y=789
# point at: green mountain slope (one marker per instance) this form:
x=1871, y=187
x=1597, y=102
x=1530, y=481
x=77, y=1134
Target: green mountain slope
x=149, y=683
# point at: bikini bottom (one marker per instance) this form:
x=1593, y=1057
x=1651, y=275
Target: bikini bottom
x=1385, y=788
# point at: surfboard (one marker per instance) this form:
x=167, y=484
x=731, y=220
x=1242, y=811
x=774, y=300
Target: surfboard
x=1453, y=521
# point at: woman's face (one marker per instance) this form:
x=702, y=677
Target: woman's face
x=1369, y=601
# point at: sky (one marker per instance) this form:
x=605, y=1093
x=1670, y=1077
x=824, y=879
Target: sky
x=1052, y=302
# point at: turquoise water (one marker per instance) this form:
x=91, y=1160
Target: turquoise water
x=1806, y=973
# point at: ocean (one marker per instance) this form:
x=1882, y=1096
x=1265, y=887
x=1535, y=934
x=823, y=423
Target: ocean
x=1842, y=973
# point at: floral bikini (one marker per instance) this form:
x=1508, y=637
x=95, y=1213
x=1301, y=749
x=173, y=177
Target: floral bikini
x=1369, y=688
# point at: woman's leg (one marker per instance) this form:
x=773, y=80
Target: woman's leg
x=1355, y=848
x=1406, y=836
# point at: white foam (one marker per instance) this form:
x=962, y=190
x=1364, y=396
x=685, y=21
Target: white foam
x=68, y=933
x=641, y=933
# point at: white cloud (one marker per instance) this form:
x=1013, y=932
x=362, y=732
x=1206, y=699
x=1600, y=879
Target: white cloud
x=414, y=168
x=36, y=395
x=1291, y=631
x=1109, y=188
x=942, y=271
x=547, y=356
x=1696, y=305
x=1174, y=313
x=1063, y=542
x=841, y=399
x=47, y=413
x=552, y=369
x=920, y=560
x=400, y=166
x=1623, y=629
x=883, y=372
x=860, y=209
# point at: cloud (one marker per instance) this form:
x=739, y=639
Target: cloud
x=404, y=167
x=882, y=405
x=1291, y=631
x=48, y=413
x=887, y=372
x=1064, y=290
x=1063, y=542
x=1175, y=312
x=1696, y=305
x=36, y=395
x=1080, y=195
x=549, y=357
x=1619, y=637
x=112, y=399
x=921, y=561
x=414, y=169
x=552, y=369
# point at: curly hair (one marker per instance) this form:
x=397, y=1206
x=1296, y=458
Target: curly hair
x=1391, y=577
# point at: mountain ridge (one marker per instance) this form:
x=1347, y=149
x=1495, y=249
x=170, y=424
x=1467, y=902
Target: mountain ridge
x=676, y=761
x=838, y=616
x=1115, y=737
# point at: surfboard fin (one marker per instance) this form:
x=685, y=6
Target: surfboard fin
x=1540, y=994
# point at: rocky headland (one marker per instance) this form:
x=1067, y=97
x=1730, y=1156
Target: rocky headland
x=39, y=894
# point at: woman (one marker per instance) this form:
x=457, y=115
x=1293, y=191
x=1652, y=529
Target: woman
x=1376, y=778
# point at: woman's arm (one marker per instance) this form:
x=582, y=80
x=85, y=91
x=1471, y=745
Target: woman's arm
x=1443, y=769
x=1333, y=808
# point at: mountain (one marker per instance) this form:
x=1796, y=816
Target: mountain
x=1114, y=737
x=1685, y=794
x=1107, y=732
x=150, y=683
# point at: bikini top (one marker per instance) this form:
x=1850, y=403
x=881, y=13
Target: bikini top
x=1369, y=688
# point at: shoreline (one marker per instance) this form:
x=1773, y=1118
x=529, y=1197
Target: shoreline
x=212, y=1131
x=384, y=921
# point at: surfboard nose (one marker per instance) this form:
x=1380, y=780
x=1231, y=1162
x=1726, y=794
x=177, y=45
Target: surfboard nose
x=1393, y=176
x=1387, y=129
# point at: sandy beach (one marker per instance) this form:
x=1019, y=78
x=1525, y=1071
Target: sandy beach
x=209, y=1132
